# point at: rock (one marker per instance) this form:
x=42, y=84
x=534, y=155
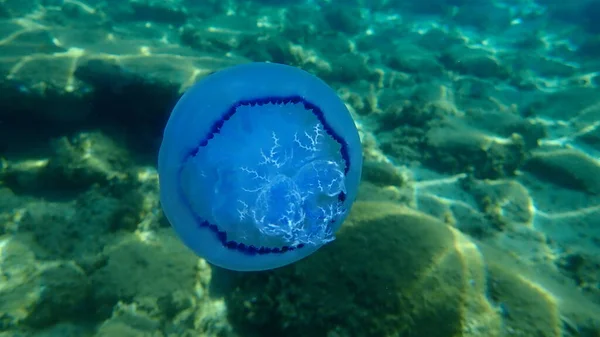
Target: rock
x=428, y=102
x=585, y=126
x=568, y=168
x=403, y=126
x=78, y=230
x=37, y=294
x=495, y=103
x=400, y=195
x=476, y=62
x=383, y=174
x=62, y=71
x=584, y=269
x=590, y=46
x=111, y=329
x=582, y=14
x=552, y=105
x=467, y=13
x=414, y=60
x=391, y=271
x=151, y=285
x=455, y=147
x=130, y=321
x=527, y=309
x=93, y=152
x=63, y=330
x=403, y=144
x=224, y=34
x=437, y=39
x=507, y=123
x=548, y=67
x=271, y=48
x=64, y=287
x=506, y=203
x=11, y=210
x=85, y=160
x=348, y=68
x=19, y=292
x=347, y=19
x=17, y=8
x=171, y=12
x=136, y=270
x=534, y=300
x=277, y=2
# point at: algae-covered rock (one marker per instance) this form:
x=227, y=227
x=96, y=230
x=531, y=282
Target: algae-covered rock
x=87, y=159
x=568, y=168
x=455, y=147
x=19, y=284
x=123, y=330
x=476, y=62
x=505, y=203
x=534, y=300
x=348, y=68
x=414, y=60
x=35, y=293
x=527, y=308
x=345, y=19
x=12, y=208
x=384, y=174
x=137, y=270
x=63, y=290
x=77, y=230
x=17, y=8
x=584, y=269
x=428, y=102
x=76, y=63
x=391, y=272
x=151, y=285
x=223, y=34
x=65, y=329
x=74, y=164
x=437, y=39
x=130, y=321
x=402, y=127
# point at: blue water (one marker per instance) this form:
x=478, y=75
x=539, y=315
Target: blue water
x=436, y=174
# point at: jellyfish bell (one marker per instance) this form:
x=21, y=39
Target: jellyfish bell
x=259, y=166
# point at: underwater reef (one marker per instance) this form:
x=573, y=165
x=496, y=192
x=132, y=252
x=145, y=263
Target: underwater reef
x=480, y=196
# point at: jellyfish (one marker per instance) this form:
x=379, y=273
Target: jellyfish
x=259, y=166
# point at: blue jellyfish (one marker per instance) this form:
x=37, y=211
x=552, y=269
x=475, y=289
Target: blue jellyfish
x=259, y=166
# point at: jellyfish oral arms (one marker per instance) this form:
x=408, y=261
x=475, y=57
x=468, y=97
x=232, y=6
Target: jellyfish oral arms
x=259, y=166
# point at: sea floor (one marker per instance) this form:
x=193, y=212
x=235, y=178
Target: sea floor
x=479, y=210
